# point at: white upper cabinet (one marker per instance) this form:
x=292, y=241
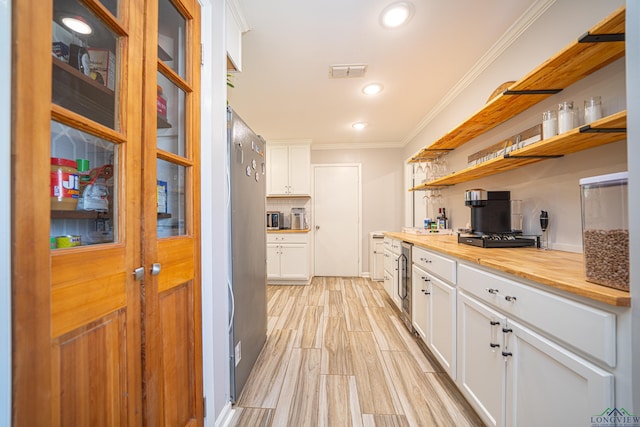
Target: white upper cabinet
x=235, y=27
x=288, y=169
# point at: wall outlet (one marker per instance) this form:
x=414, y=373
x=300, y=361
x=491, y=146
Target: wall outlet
x=238, y=352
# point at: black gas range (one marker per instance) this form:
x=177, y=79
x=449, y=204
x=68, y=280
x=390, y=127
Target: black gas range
x=496, y=240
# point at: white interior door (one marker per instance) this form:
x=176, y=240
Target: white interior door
x=336, y=216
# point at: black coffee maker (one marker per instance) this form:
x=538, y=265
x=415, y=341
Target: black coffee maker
x=490, y=211
x=491, y=220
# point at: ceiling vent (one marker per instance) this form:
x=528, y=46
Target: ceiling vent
x=344, y=71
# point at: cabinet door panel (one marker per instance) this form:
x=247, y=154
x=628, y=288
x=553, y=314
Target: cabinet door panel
x=273, y=261
x=90, y=374
x=176, y=313
x=548, y=385
x=442, y=324
x=299, y=173
x=172, y=356
x=388, y=283
x=481, y=368
x=278, y=170
x=294, y=261
x=395, y=295
x=420, y=301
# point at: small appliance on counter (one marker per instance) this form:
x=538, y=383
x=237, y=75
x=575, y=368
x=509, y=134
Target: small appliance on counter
x=274, y=220
x=298, y=219
x=491, y=221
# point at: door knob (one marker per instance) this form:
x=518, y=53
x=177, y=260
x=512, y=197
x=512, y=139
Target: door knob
x=317, y=227
x=155, y=269
x=138, y=273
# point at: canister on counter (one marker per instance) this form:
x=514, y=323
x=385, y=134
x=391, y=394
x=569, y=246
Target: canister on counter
x=65, y=186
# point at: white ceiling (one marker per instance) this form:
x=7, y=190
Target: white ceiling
x=284, y=91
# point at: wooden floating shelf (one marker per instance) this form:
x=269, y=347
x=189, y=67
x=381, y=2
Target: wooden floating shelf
x=162, y=123
x=602, y=45
x=80, y=215
x=76, y=92
x=603, y=131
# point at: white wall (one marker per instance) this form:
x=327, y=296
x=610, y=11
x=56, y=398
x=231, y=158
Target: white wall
x=382, y=176
x=215, y=234
x=633, y=123
x=5, y=212
x=551, y=185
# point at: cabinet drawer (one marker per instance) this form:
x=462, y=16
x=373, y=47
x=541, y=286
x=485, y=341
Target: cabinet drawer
x=445, y=268
x=287, y=238
x=392, y=245
x=586, y=328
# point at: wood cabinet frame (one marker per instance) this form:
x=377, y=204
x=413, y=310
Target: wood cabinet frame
x=36, y=335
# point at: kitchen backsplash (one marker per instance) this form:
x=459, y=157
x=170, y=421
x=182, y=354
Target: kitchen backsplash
x=285, y=205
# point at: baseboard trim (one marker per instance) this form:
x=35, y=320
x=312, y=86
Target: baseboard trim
x=225, y=416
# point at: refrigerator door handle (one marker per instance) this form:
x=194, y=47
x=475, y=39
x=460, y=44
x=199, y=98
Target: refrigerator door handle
x=233, y=307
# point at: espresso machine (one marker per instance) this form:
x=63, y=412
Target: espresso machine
x=491, y=221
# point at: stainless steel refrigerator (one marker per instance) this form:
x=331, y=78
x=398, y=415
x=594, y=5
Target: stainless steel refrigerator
x=248, y=327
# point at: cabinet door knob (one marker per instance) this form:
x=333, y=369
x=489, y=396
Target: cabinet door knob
x=492, y=291
x=155, y=269
x=510, y=298
x=493, y=345
x=138, y=273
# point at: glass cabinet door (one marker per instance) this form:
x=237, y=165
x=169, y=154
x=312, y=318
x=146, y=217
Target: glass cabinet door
x=172, y=206
x=95, y=135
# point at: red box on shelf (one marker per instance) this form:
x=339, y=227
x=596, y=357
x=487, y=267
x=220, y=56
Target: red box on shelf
x=162, y=107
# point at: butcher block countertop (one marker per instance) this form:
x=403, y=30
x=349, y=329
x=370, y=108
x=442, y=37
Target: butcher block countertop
x=558, y=269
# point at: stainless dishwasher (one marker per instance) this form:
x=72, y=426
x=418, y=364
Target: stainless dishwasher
x=404, y=284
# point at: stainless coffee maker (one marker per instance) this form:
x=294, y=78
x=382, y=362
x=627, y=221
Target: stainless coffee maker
x=298, y=219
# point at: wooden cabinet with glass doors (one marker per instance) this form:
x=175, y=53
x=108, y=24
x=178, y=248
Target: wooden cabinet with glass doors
x=105, y=265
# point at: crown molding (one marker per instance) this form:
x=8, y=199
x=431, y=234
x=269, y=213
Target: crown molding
x=238, y=15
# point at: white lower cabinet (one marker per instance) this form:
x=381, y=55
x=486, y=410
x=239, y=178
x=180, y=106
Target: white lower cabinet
x=548, y=385
x=434, y=305
x=481, y=366
x=442, y=325
x=420, y=301
x=288, y=258
x=514, y=376
x=392, y=277
x=392, y=248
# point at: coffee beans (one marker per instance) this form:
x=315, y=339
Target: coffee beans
x=606, y=254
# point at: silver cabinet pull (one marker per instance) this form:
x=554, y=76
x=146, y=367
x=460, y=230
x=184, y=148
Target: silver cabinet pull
x=155, y=269
x=138, y=273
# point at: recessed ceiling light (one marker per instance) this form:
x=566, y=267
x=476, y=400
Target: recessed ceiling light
x=359, y=125
x=77, y=24
x=372, y=89
x=396, y=14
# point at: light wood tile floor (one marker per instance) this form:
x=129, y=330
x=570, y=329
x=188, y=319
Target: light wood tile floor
x=338, y=355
